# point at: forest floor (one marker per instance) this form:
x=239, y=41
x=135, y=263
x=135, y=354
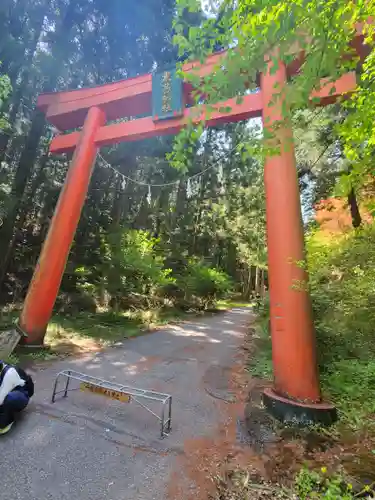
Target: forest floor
x=86, y=446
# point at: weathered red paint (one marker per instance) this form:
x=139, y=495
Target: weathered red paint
x=48, y=273
x=132, y=97
x=293, y=339
x=142, y=128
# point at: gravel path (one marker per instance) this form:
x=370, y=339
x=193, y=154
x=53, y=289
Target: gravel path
x=87, y=447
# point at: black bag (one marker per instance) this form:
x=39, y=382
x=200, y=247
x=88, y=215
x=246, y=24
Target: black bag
x=29, y=384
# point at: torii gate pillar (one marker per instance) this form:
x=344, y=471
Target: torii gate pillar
x=296, y=393
x=45, y=284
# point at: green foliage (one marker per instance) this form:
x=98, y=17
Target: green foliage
x=233, y=302
x=134, y=274
x=132, y=265
x=312, y=484
x=321, y=162
x=261, y=364
x=253, y=29
x=350, y=382
x=12, y=359
x=236, y=483
x=203, y=284
x=342, y=274
x=358, y=130
x=342, y=277
x=5, y=89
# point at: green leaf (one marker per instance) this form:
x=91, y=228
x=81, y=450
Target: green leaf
x=275, y=65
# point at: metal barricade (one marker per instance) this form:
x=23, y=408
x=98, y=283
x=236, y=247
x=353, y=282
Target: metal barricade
x=119, y=392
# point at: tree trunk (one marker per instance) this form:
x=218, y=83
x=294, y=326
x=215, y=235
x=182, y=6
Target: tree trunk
x=248, y=283
x=6, y=137
x=27, y=160
x=120, y=208
x=257, y=281
x=180, y=202
x=141, y=221
x=161, y=211
x=262, y=287
x=198, y=217
x=116, y=212
x=30, y=150
x=354, y=209
x=18, y=94
x=24, y=209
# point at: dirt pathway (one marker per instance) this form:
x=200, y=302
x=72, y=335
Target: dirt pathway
x=88, y=447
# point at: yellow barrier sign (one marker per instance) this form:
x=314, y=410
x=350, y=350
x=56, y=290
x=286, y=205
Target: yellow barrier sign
x=109, y=393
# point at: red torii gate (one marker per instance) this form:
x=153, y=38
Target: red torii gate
x=296, y=389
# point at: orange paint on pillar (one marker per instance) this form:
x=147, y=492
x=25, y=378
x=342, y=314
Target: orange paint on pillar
x=293, y=337
x=44, y=287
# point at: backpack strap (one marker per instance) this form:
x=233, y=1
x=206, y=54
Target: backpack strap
x=5, y=368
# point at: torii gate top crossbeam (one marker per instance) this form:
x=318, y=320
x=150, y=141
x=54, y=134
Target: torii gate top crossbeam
x=143, y=128
x=131, y=97
x=134, y=97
